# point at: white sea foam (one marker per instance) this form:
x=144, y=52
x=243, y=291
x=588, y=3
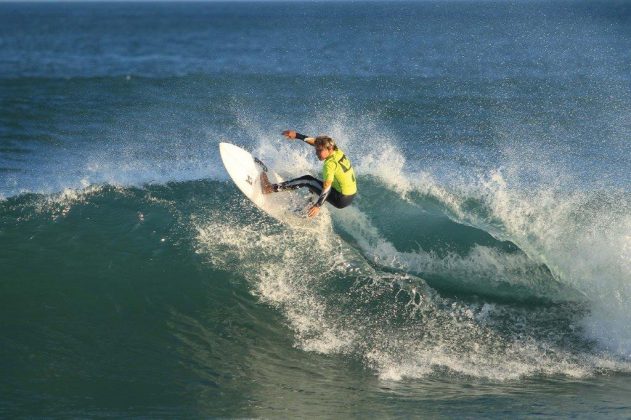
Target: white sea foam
x=424, y=333
x=59, y=204
x=419, y=335
x=581, y=236
x=283, y=268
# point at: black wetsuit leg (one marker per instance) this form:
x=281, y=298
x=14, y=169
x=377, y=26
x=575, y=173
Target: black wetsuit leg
x=314, y=184
x=335, y=197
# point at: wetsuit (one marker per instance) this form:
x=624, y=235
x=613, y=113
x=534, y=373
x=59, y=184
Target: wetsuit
x=337, y=168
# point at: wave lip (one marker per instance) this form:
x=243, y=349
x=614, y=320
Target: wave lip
x=574, y=240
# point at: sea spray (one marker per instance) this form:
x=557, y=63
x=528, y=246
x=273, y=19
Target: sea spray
x=581, y=237
x=343, y=305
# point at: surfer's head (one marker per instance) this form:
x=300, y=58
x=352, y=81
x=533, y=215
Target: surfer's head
x=324, y=146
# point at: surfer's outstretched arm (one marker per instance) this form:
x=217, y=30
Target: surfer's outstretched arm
x=292, y=134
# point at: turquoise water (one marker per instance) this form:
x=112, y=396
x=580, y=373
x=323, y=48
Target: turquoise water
x=484, y=269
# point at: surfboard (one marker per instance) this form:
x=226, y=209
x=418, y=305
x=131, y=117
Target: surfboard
x=245, y=171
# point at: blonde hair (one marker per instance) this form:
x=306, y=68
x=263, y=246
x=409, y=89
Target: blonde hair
x=325, y=142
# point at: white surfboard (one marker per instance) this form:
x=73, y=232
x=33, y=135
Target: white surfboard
x=245, y=170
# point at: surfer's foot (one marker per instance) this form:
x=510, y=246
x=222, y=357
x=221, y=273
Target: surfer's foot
x=266, y=186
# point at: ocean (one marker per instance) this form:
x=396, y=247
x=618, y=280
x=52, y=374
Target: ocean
x=484, y=269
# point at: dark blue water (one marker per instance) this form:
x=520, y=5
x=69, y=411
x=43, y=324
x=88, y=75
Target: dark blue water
x=484, y=269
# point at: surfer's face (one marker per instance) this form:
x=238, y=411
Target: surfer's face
x=323, y=152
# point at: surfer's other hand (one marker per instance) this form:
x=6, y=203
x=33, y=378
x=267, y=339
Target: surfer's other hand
x=313, y=211
x=290, y=134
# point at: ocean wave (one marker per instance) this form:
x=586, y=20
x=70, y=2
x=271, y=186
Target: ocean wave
x=418, y=278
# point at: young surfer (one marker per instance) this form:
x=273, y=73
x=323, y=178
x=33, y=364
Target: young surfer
x=338, y=186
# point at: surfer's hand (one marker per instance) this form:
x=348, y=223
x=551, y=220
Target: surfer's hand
x=290, y=134
x=313, y=211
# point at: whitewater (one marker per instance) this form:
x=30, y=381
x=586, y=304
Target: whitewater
x=483, y=269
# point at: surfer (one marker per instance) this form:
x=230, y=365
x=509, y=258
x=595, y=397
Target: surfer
x=338, y=187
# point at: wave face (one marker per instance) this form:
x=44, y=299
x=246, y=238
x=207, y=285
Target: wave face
x=183, y=281
x=486, y=260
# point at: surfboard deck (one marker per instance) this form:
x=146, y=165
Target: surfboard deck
x=245, y=171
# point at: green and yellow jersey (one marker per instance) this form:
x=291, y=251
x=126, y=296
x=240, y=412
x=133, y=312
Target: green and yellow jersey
x=337, y=169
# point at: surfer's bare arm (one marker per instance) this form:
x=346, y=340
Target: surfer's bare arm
x=293, y=134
